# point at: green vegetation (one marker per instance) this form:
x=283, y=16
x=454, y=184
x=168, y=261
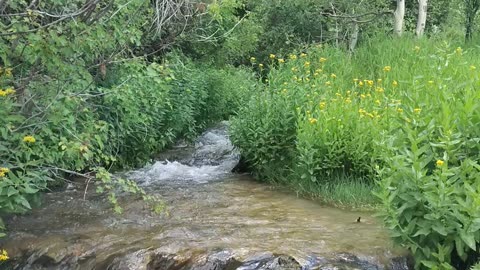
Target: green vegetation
x=76, y=98
x=401, y=112
x=344, y=108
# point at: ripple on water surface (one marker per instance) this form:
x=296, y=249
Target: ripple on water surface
x=208, y=209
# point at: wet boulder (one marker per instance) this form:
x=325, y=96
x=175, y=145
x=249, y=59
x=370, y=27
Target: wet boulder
x=223, y=260
x=271, y=262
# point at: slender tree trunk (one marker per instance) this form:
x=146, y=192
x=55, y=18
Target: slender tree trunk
x=337, y=34
x=399, y=17
x=354, y=37
x=468, y=28
x=422, y=17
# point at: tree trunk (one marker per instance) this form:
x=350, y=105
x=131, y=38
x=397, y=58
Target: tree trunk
x=354, y=37
x=468, y=28
x=422, y=17
x=471, y=10
x=399, y=17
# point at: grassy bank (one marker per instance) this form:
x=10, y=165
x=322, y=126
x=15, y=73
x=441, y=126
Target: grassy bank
x=400, y=114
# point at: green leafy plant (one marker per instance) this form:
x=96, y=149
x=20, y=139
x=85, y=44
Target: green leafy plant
x=399, y=117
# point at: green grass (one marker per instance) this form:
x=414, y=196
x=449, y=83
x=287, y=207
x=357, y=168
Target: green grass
x=339, y=191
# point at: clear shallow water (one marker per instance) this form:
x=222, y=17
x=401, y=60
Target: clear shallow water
x=208, y=209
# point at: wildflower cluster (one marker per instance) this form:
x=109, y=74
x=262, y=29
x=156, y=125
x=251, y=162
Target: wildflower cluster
x=4, y=255
x=7, y=92
x=3, y=171
x=29, y=139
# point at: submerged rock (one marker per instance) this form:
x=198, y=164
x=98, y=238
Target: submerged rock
x=147, y=259
x=271, y=262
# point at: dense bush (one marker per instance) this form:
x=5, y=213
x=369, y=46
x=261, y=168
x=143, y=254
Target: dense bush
x=402, y=113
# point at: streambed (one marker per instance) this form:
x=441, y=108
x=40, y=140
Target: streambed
x=215, y=220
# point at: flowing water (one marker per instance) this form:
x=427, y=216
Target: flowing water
x=210, y=211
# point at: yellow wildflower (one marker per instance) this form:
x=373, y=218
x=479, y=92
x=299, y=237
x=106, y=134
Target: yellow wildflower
x=387, y=68
x=440, y=163
x=281, y=60
x=472, y=67
x=362, y=96
x=417, y=110
x=348, y=100
x=284, y=91
x=395, y=83
x=4, y=255
x=322, y=105
x=8, y=72
x=400, y=110
x=355, y=80
x=323, y=60
x=3, y=171
x=10, y=91
x=379, y=90
x=29, y=139
x=431, y=82
x=253, y=59
x=285, y=83
x=292, y=56
x=416, y=49
x=333, y=76
x=307, y=64
x=379, y=80
x=303, y=55
x=377, y=102
x=260, y=65
x=3, y=93
x=459, y=50
x=360, y=84
x=294, y=69
x=316, y=74
x=272, y=56
x=328, y=83
x=312, y=120
x=369, y=82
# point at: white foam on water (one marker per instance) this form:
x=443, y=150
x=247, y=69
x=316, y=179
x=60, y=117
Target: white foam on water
x=213, y=158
